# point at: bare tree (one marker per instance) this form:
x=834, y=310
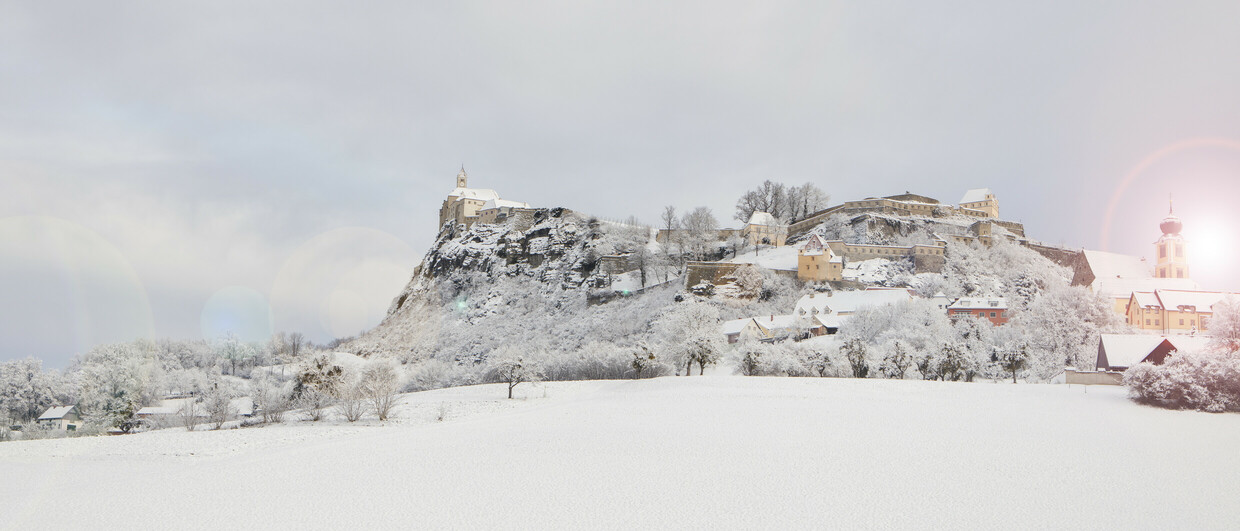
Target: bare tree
x=189, y=414
x=770, y=197
x=805, y=200
x=380, y=384
x=351, y=402
x=701, y=231
x=270, y=397
x=513, y=369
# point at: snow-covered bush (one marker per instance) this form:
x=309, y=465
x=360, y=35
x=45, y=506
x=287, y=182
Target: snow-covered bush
x=380, y=384
x=271, y=397
x=1207, y=381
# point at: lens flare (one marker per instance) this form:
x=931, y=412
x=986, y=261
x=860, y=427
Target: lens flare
x=65, y=289
x=237, y=310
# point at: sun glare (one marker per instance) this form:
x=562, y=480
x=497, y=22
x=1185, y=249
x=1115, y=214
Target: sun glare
x=1209, y=245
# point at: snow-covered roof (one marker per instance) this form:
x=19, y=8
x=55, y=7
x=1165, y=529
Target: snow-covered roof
x=481, y=194
x=492, y=204
x=848, y=301
x=1203, y=301
x=1126, y=350
x=1190, y=343
x=979, y=303
x=764, y=219
x=779, y=322
x=157, y=410
x=56, y=413
x=1170, y=299
x=1121, y=288
x=975, y=195
x=734, y=326
x=1145, y=299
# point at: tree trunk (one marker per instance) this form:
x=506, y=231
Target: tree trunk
x=510, y=386
x=689, y=367
x=701, y=368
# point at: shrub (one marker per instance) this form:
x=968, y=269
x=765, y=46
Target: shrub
x=1202, y=381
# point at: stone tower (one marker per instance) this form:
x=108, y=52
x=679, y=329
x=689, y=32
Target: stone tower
x=1170, y=249
x=462, y=180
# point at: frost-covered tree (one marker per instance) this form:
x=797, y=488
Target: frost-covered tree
x=1224, y=325
x=769, y=197
x=1013, y=359
x=748, y=279
x=897, y=362
x=217, y=403
x=701, y=232
x=26, y=390
x=234, y=352
x=116, y=381
x=858, y=357
x=380, y=384
x=689, y=333
x=805, y=200
x=510, y=366
x=270, y=397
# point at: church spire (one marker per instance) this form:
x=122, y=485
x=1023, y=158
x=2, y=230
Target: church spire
x=462, y=180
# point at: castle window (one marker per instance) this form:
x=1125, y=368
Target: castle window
x=1181, y=322
x=1147, y=322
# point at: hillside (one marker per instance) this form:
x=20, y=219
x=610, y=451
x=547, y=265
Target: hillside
x=703, y=452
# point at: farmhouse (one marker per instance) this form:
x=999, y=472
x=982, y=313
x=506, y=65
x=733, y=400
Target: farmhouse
x=64, y=418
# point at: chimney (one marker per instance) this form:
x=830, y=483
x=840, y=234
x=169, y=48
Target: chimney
x=772, y=318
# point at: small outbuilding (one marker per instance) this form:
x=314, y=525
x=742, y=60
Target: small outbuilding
x=60, y=418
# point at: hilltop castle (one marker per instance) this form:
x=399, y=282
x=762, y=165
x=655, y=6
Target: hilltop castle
x=466, y=206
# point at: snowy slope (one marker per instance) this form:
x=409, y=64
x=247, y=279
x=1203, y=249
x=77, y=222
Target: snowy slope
x=701, y=452
x=771, y=258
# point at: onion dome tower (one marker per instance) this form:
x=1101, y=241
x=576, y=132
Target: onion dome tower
x=1170, y=248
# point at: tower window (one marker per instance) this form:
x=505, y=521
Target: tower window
x=1162, y=251
x=1179, y=249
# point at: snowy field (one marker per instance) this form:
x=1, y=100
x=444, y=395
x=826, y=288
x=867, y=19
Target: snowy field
x=700, y=452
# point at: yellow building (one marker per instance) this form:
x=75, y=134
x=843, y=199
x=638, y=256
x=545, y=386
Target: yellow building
x=981, y=200
x=1171, y=312
x=816, y=262
x=764, y=229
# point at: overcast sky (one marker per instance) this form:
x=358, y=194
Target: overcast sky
x=178, y=170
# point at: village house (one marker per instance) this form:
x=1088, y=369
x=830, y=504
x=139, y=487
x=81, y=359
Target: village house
x=1173, y=312
x=64, y=418
x=1119, y=352
x=764, y=229
x=816, y=262
x=993, y=309
x=832, y=309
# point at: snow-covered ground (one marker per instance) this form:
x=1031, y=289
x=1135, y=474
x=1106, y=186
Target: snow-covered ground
x=700, y=452
x=771, y=257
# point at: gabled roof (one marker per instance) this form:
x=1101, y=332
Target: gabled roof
x=975, y=195
x=764, y=219
x=979, y=303
x=779, y=322
x=734, y=326
x=481, y=194
x=1126, y=350
x=56, y=412
x=1174, y=300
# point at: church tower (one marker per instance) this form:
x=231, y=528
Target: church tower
x=1170, y=249
x=462, y=180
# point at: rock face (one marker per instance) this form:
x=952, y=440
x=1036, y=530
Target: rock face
x=555, y=248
